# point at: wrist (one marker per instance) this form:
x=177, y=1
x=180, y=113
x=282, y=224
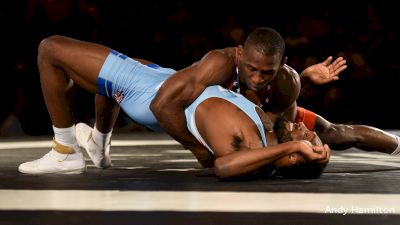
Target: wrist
x=305, y=79
x=293, y=147
x=300, y=144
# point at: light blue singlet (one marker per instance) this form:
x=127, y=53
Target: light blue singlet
x=237, y=99
x=133, y=85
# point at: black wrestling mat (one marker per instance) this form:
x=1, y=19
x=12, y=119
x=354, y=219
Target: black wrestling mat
x=155, y=181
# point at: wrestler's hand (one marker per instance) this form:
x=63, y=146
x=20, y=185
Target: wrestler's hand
x=318, y=154
x=325, y=152
x=324, y=72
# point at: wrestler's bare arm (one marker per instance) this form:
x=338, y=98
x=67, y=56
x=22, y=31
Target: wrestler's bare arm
x=237, y=146
x=183, y=88
x=324, y=72
x=285, y=91
x=247, y=161
x=288, y=85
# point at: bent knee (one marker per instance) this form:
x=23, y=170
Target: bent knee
x=49, y=45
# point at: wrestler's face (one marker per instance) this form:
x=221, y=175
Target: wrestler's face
x=257, y=69
x=295, y=131
x=298, y=131
x=290, y=160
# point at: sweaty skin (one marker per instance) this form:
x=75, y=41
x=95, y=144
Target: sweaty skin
x=237, y=144
x=285, y=90
x=61, y=59
x=255, y=71
x=216, y=67
x=337, y=136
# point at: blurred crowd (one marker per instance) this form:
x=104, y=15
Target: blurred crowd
x=176, y=33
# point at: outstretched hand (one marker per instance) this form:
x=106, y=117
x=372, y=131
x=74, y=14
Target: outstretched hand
x=326, y=71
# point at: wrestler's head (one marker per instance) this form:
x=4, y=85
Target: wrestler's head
x=287, y=131
x=260, y=58
x=295, y=165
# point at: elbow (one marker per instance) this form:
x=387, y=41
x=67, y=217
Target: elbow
x=156, y=105
x=164, y=100
x=230, y=168
x=223, y=169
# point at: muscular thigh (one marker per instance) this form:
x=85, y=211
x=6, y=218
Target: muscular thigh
x=81, y=60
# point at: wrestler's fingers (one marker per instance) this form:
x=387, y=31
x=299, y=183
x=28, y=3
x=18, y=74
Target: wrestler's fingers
x=339, y=70
x=338, y=60
x=327, y=61
x=318, y=149
x=337, y=65
x=325, y=156
x=328, y=154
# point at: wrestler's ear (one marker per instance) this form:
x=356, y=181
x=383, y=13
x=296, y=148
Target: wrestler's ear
x=284, y=60
x=293, y=159
x=240, y=50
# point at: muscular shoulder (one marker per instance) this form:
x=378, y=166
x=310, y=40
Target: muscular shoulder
x=285, y=88
x=288, y=75
x=219, y=59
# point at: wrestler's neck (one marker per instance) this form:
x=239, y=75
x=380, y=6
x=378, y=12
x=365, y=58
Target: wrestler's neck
x=271, y=138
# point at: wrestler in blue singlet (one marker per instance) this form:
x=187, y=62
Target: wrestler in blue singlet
x=133, y=85
x=237, y=99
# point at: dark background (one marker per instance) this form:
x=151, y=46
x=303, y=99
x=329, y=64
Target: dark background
x=176, y=33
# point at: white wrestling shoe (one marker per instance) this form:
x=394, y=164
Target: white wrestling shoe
x=55, y=162
x=99, y=156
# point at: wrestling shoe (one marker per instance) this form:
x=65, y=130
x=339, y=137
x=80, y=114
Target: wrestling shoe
x=99, y=156
x=55, y=162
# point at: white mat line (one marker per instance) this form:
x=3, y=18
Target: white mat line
x=369, y=162
x=48, y=144
x=199, y=201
